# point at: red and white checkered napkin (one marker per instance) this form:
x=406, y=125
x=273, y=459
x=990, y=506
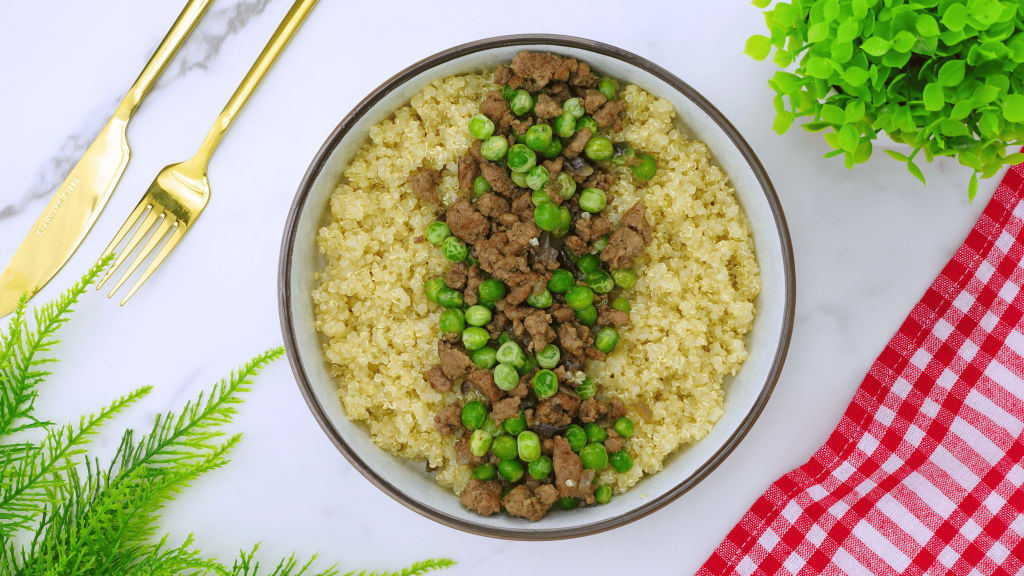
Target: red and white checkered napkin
x=923, y=474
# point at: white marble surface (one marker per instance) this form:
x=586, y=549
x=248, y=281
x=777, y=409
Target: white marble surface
x=867, y=245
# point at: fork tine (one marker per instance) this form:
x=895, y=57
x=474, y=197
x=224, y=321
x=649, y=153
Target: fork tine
x=176, y=235
x=135, y=239
x=161, y=231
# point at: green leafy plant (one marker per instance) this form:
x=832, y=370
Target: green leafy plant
x=63, y=513
x=943, y=76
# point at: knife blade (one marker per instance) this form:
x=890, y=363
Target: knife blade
x=77, y=204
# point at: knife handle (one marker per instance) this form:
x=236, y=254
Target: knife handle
x=176, y=36
x=278, y=41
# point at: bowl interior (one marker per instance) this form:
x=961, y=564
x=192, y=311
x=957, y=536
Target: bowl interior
x=745, y=393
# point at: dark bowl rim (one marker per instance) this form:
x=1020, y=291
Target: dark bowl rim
x=535, y=531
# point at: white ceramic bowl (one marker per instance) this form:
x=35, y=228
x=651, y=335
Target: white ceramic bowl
x=745, y=394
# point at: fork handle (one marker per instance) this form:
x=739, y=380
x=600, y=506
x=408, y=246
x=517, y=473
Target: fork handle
x=278, y=41
x=176, y=36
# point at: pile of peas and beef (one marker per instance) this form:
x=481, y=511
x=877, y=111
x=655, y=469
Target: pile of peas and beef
x=538, y=283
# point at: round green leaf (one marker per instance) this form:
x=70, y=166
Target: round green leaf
x=785, y=14
x=1016, y=46
x=926, y=25
x=951, y=128
x=788, y=83
x=986, y=12
x=819, y=67
x=876, y=46
x=955, y=17
x=761, y=3
x=903, y=42
x=952, y=72
x=916, y=171
x=758, y=47
x=855, y=76
x=860, y=8
x=1013, y=107
x=783, y=120
x=818, y=32
x=833, y=114
x=985, y=94
x=849, y=138
x=831, y=10
x=848, y=31
x=934, y=98
x=962, y=109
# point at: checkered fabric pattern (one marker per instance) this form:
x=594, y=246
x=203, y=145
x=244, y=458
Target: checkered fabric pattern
x=923, y=475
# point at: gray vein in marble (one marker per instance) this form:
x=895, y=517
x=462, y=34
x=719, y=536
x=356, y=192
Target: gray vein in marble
x=199, y=51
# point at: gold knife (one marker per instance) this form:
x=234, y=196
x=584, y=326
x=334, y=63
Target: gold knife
x=78, y=202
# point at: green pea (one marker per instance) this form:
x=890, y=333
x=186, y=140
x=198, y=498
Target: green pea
x=603, y=494
x=436, y=232
x=622, y=155
x=537, y=177
x=579, y=297
x=553, y=149
x=454, y=249
x=504, y=337
x=606, y=339
x=521, y=102
x=475, y=338
x=576, y=437
x=587, y=316
x=586, y=389
x=473, y=415
x=624, y=278
x=566, y=185
x=478, y=315
x=566, y=503
x=451, y=322
x=529, y=446
x=528, y=366
x=607, y=88
x=481, y=127
x=600, y=244
x=565, y=125
x=494, y=148
x=561, y=281
x=593, y=456
x=621, y=461
x=549, y=356
x=492, y=290
x=575, y=107
x=547, y=216
x=542, y=300
x=507, y=92
x=587, y=122
x=624, y=427
x=520, y=138
x=483, y=358
x=515, y=426
x=539, y=197
x=480, y=442
x=599, y=149
x=433, y=287
x=481, y=185
x=511, y=353
x=621, y=304
x=564, y=221
x=545, y=384
x=510, y=470
x=588, y=264
x=541, y=468
x=595, y=433
x=492, y=427
x=519, y=179
x=521, y=158
x=538, y=137
x=484, y=472
x=647, y=168
x=593, y=200
x=601, y=282
x=505, y=376
x=505, y=447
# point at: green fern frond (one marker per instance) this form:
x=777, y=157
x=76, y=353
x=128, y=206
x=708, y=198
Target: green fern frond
x=417, y=569
x=20, y=364
x=246, y=565
x=28, y=486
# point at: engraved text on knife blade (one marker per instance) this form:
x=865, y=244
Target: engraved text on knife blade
x=56, y=208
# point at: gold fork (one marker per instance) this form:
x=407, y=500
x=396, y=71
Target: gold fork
x=181, y=191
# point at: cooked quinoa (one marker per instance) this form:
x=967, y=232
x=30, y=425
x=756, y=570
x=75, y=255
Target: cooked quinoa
x=692, y=306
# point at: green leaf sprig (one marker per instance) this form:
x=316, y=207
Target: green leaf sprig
x=942, y=76
x=63, y=514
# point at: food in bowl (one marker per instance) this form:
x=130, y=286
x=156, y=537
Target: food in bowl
x=390, y=301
